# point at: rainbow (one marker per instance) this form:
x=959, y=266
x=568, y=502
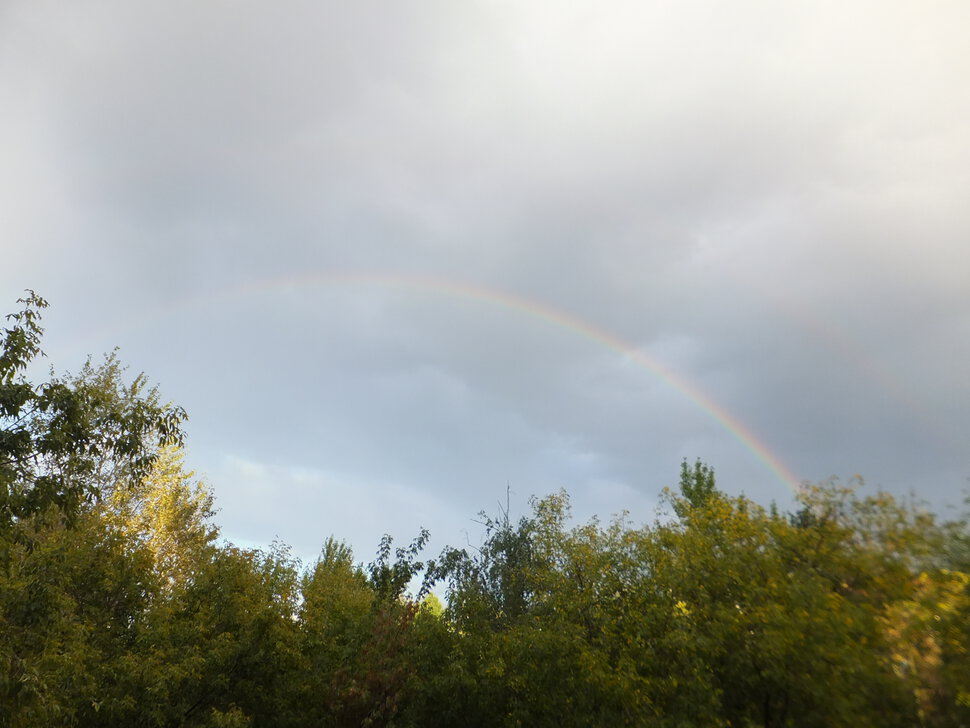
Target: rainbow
x=517, y=303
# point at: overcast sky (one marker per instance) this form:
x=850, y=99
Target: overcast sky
x=395, y=257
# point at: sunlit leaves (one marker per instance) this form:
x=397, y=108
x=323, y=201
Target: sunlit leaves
x=168, y=513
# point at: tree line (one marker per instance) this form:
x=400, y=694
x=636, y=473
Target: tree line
x=120, y=605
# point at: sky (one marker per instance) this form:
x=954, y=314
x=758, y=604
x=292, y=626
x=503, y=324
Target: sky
x=403, y=262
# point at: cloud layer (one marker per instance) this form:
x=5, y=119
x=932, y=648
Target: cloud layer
x=279, y=213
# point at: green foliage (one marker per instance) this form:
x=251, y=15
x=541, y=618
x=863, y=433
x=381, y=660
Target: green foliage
x=74, y=600
x=60, y=440
x=120, y=607
x=359, y=630
x=696, y=487
x=493, y=586
x=228, y=639
x=730, y=615
x=390, y=580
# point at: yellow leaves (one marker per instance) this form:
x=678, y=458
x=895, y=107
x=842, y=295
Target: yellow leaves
x=432, y=605
x=168, y=512
x=928, y=637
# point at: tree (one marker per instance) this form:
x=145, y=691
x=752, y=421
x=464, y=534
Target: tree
x=358, y=628
x=73, y=605
x=169, y=514
x=222, y=646
x=495, y=583
x=62, y=441
x=118, y=606
x=73, y=592
x=783, y=618
x=696, y=487
x=530, y=609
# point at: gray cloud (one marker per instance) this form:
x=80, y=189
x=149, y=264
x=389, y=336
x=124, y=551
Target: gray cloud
x=768, y=200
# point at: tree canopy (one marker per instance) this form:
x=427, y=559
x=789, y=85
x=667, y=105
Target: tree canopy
x=120, y=604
